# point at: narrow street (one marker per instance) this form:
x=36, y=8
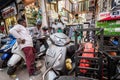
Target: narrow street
x=21, y=74
x=63, y=39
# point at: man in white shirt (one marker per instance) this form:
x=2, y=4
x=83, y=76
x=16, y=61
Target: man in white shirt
x=37, y=30
x=54, y=26
x=25, y=42
x=58, y=25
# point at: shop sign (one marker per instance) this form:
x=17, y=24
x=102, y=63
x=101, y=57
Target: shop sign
x=111, y=28
x=9, y=11
x=105, y=16
x=115, y=14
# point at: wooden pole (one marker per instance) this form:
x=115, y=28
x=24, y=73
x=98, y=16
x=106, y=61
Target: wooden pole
x=44, y=14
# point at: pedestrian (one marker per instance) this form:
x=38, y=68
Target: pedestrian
x=40, y=32
x=60, y=24
x=37, y=31
x=54, y=26
x=78, y=19
x=25, y=42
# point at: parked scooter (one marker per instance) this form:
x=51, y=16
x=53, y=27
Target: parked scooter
x=56, y=56
x=6, y=51
x=18, y=55
x=15, y=59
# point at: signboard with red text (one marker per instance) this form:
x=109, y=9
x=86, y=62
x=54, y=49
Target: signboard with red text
x=106, y=16
x=9, y=11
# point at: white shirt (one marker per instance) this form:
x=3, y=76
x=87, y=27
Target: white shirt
x=54, y=26
x=34, y=32
x=60, y=25
x=19, y=31
x=37, y=33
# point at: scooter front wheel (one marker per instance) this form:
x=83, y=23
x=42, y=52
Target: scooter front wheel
x=3, y=63
x=11, y=70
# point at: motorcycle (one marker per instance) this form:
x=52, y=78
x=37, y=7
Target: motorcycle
x=58, y=56
x=112, y=59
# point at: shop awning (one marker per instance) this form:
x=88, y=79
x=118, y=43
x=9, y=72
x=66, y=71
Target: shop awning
x=4, y=3
x=110, y=18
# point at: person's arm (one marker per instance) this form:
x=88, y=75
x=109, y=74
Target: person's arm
x=15, y=31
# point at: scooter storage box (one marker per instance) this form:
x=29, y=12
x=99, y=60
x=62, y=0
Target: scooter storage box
x=55, y=57
x=14, y=60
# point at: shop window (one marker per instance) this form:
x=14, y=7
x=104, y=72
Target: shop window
x=104, y=5
x=33, y=13
x=84, y=6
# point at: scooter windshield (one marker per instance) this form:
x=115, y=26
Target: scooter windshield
x=59, y=39
x=8, y=45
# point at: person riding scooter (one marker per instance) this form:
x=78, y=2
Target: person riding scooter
x=39, y=36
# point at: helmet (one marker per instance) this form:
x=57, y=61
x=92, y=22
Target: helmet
x=39, y=22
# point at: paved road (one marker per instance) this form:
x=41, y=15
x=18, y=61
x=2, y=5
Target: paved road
x=21, y=74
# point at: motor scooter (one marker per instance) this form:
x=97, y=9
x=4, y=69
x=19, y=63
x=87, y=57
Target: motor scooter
x=6, y=50
x=56, y=55
x=40, y=44
x=19, y=56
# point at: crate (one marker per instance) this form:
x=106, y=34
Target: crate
x=95, y=68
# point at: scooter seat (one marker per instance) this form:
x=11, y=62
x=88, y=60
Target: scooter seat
x=74, y=78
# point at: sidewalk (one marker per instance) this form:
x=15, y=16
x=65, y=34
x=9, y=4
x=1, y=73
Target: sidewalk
x=21, y=74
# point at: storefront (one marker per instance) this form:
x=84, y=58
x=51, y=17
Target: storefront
x=33, y=12
x=110, y=21
x=9, y=15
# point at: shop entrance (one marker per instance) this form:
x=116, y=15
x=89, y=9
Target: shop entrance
x=9, y=22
